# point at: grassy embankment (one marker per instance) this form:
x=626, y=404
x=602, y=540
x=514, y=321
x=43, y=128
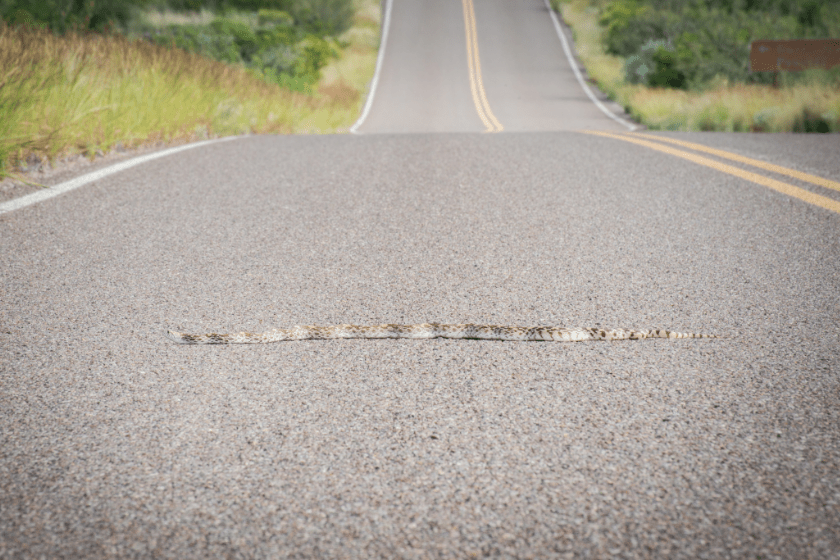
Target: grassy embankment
x=68, y=94
x=803, y=102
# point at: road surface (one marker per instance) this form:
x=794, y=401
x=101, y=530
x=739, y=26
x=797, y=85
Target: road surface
x=115, y=442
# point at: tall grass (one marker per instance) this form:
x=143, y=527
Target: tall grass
x=345, y=81
x=74, y=93
x=808, y=103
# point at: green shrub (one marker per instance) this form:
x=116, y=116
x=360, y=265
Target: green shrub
x=243, y=36
x=666, y=73
x=67, y=15
x=316, y=54
x=655, y=66
x=273, y=48
x=710, y=38
x=810, y=121
x=275, y=17
x=323, y=17
x=317, y=17
x=219, y=5
x=639, y=66
x=629, y=25
x=199, y=39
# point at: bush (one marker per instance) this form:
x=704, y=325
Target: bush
x=655, y=66
x=284, y=41
x=323, y=17
x=275, y=17
x=710, y=38
x=316, y=53
x=317, y=17
x=629, y=25
x=274, y=49
x=243, y=36
x=809, y=121
x=69, y=15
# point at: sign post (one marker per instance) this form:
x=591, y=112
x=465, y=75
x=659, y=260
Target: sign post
x=793, y=55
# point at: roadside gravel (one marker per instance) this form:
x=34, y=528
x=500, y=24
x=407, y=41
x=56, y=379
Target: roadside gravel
x=39, y=174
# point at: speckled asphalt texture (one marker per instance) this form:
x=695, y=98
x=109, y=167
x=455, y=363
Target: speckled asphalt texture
x=117, y=442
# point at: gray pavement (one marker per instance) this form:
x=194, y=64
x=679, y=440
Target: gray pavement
x=424, y=84
x=528, y=79
x=115, y=442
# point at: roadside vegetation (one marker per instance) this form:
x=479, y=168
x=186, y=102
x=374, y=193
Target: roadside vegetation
x=88, y=77
x=684, y=64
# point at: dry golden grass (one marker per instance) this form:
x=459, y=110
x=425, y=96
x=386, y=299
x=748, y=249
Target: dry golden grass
x=344, y=82
x=739, y=108
x=810, y=105
x=89, y=93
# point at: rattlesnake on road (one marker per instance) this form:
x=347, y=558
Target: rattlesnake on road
x=430, y=330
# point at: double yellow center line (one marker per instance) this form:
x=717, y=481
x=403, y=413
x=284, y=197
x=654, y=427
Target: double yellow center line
x=650, y=141
x=657, y=143
x=482, y=106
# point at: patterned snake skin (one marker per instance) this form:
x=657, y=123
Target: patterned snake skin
x=430, y=330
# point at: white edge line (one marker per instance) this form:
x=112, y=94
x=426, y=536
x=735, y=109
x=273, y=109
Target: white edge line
x=62, y=188
x=386, y=24
x=580, y=79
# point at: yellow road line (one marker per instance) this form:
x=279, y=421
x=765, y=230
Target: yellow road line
x=785, y=188
x=482, y=106
x=807, y=177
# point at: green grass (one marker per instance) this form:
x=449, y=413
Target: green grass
x=345, y=80
x=809, y=102
x=69, y=94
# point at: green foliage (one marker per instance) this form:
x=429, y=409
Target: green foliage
x=275, y=17
x=317, y=17
x=323, y=17
x=296, y=67
x=67, y=15
x=86, y=92
x=242, y=35
x=655, y=66
x=707, y=40
x=272, y=47
x=284, y=41
x=810, y=121
x=629, y=25
x=218, y=5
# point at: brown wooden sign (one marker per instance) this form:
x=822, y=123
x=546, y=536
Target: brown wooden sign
x=794, y=55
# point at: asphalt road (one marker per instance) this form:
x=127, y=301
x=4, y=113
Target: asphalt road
x=115, y=442
x=424, y=84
